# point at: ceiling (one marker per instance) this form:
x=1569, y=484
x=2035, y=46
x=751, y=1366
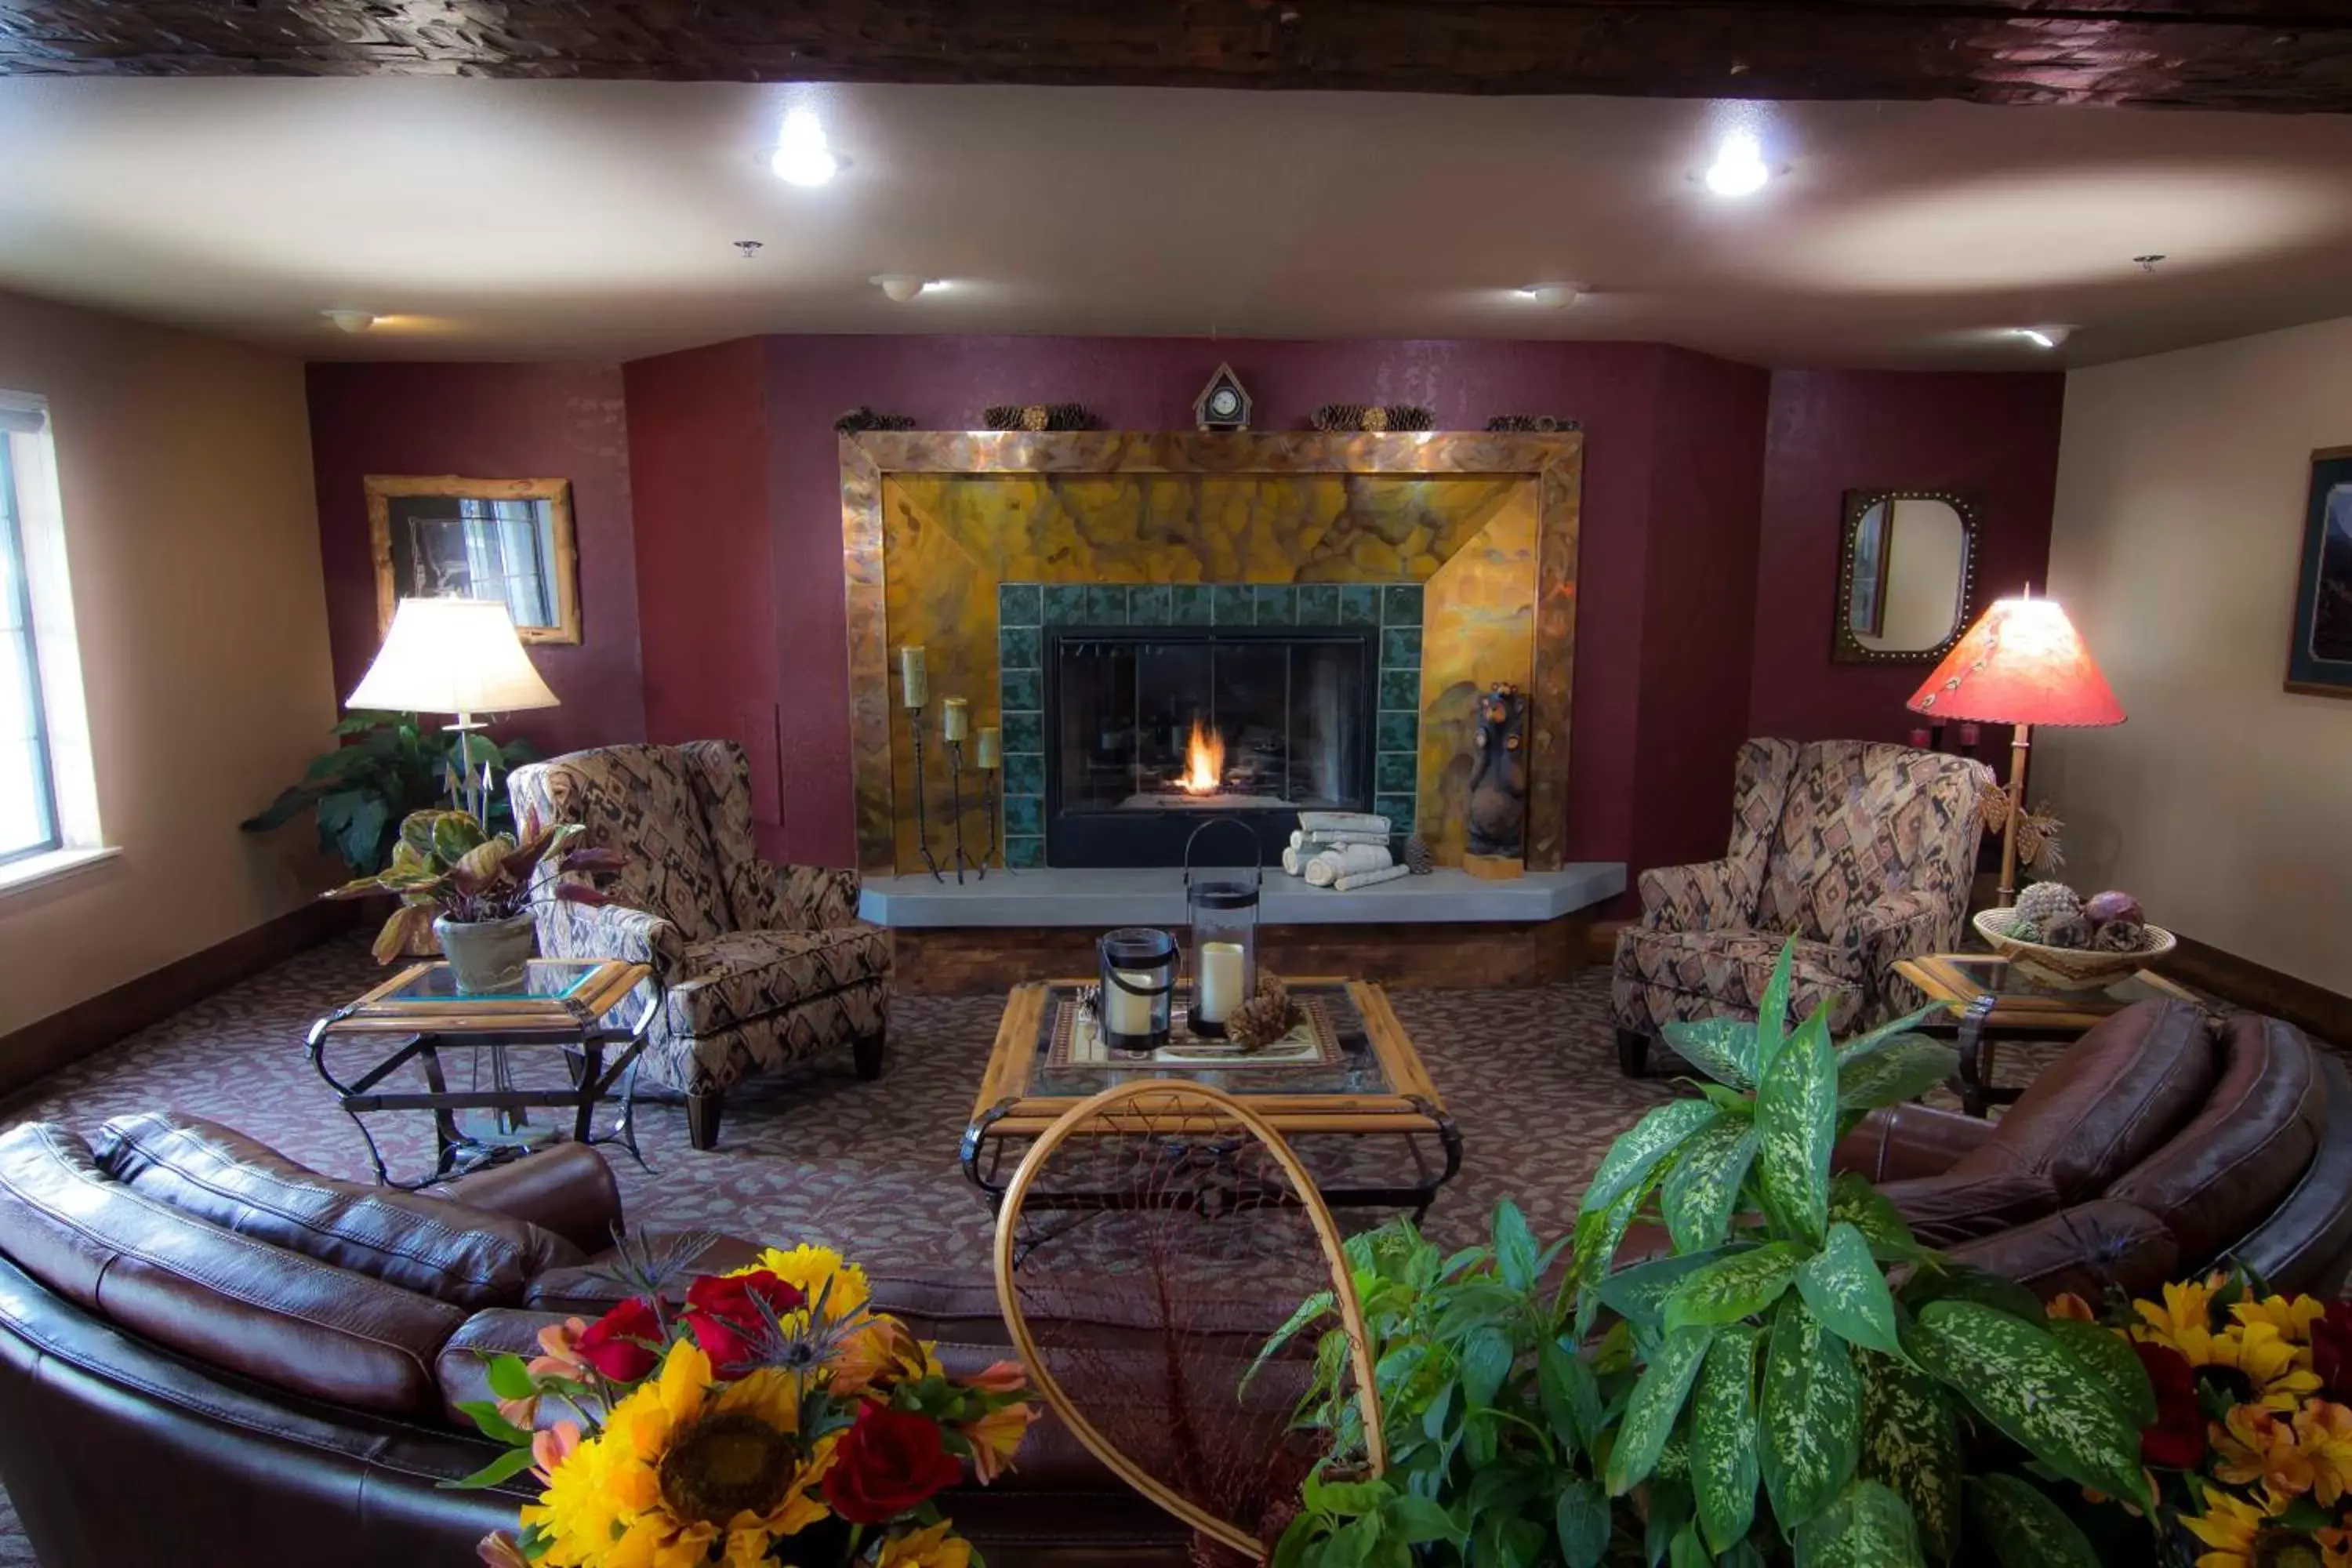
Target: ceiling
x=527, y=220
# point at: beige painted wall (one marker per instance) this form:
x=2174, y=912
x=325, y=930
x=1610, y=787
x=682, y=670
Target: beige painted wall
x=184, y=466
x=2224, y=801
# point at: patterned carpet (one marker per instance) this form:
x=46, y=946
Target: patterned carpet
x=1529, y=1075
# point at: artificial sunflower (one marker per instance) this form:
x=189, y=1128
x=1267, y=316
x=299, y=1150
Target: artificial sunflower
x=935, y=1547
x=2184, y=1319
x=2292, y=1316
x=2276, y=1373
x=817, y=1272
x=687, y=1471
x=2240, y=1538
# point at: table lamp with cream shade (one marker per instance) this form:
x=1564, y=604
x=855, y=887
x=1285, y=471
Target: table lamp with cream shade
x=459, y=657
x=2021, y=664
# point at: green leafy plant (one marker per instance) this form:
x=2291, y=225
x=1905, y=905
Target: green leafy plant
x=445, y=864
x=389, y=767
x=1794, y=1378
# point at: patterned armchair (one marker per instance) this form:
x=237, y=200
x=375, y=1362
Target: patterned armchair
x=1863, y=851
x=757, y=966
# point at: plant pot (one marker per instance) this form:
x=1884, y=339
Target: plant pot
x=487, y=955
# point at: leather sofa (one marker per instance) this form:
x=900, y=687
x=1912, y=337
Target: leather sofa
x=2163, y=1141
x=210, y=1354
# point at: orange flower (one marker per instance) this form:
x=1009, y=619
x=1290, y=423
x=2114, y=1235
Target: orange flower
x=552, y=1447
x=560, y=1345
x=2067, y=1304
x=520, y=1413
x=879, y=1355
x=2255, y=1446
x=498, y=1550
x=2335, y=1548
x=999, y=1377
x=2322, y=1432
x=996, y=1436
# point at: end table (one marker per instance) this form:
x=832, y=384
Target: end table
x=593, y=1011
x=1991, y=1000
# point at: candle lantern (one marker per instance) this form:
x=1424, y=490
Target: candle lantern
x=1223, y=916
x=1139, y=978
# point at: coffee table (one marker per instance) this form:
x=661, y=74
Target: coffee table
x=1991, y=1000
x=1362, y=1113
x=591, y=1011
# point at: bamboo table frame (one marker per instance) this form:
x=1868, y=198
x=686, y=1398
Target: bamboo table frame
x=1982, y=1015
x=1005, y=1110
x=577, y=1023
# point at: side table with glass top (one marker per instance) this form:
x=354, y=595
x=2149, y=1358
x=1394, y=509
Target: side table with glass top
x=591, y=1013
x=1990, y=1000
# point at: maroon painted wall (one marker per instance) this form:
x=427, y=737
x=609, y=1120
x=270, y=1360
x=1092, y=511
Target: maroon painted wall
x=498, y=422
x=1833, y=431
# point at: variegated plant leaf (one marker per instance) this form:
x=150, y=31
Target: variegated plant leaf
x=1723, y=1437
x=1698, y=1199
x=1723, y=1049
x=1905, y=1069
x=1796, y=1125
x=1596, y=1239
x=1638, y=1150
x=1862, y=1044
x=1639, y=1294
x=2024, y=1527
x=1651, y=1409
x=1810, y=1416
x=2108, y=1356
x=1772, y=1010
x=1866, y=1527
x=1842, y=1284
x=1911, y=1441
x=1858, y=1203
x=1736, y=1287
x=2020, y=1381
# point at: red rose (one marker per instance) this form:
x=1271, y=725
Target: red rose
x=887, y=1462
x=720, y=1310
x=611, y=1345
x=2177, y=1440
x=2331, y=1349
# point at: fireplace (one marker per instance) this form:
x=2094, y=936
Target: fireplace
x=1151, y=730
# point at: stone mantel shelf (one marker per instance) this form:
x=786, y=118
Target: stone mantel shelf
x=1103, y=899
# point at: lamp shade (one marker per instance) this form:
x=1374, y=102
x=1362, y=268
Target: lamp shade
x=451, y=656
x=2021, y=663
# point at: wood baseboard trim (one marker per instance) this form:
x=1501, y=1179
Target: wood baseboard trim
x=64, y=1037
x=2318, y=1012
x=1601, y=941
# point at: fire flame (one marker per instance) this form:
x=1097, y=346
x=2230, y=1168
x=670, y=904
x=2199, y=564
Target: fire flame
x=1205, y=762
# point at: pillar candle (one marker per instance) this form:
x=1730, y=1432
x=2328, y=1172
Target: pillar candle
x=1125, y=1012
x=991, y=746
x=915, y=675
x=1219, y=988
x=955, y=719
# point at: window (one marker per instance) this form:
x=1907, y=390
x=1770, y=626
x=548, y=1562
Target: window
x=49, y=803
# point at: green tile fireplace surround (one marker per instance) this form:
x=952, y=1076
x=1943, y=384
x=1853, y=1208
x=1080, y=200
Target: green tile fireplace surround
x=1025, y=611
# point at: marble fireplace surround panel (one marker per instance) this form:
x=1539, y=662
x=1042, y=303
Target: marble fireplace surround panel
x=934, y=522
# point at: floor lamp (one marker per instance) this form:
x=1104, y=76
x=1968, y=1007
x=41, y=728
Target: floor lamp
x=2022, y=664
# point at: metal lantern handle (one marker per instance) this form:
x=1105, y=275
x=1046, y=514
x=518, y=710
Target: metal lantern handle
x=1258, y=850
x=1120, y=980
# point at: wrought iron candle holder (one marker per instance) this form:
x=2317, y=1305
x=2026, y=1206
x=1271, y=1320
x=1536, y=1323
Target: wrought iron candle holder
x=922, y=788
x=955, y=812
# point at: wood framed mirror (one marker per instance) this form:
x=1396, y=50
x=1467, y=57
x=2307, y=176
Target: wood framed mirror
x=438, y=536
x=1906, y=567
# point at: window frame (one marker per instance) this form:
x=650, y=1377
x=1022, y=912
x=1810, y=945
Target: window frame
x=12, y=542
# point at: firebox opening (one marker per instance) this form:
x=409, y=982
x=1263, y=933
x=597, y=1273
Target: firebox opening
x=1149, y=731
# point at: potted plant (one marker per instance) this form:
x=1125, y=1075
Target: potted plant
x=474, y=888
x=387, y=765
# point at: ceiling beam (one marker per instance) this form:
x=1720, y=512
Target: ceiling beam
x=2202, y=54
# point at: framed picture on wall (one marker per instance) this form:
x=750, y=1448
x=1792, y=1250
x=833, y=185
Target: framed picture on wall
x=2320, y=660
x=440, y=536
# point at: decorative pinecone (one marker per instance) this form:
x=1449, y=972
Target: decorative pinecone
x=2047, y=901
x=1339, y=416
x=1374, y=419
x=2066, y=930
x=1036, y=417
x=1533, y=424
x=1416, y=855
x=1409, y=416
x=1263, y=1018
x=862, y=418
x=1002, y=416
x=2120, y=936
x=1069, y=417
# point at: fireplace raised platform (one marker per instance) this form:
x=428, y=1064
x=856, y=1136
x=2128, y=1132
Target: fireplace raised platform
x=1447, y=929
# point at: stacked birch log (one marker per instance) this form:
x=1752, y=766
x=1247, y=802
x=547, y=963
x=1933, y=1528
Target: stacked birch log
x=1342, y=850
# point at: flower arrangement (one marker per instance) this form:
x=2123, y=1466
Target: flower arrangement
x=2250, y=1451
x=447, y=863
x=775, y=1418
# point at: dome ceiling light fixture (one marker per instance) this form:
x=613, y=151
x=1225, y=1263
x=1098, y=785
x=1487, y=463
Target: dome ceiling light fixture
x=349, y=320
x=1739, y=168
x=900, y=287
x=1550, y=295
x=802, y=156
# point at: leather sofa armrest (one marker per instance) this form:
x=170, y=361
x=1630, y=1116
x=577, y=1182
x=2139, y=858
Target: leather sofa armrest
x=1702, y=896
x=1902, y=1141
x=2085, y=1249
x=567, y=1189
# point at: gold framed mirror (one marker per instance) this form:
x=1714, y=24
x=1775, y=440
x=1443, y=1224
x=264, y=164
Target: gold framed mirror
x=1906, y=568
x=440, y=536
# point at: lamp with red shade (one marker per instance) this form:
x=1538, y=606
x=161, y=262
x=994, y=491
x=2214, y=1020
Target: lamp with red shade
x=2021, y=664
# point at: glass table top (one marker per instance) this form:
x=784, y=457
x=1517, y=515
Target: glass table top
x=1969, y=975
x=548, y=980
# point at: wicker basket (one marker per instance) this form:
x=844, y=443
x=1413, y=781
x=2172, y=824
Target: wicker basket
x=2068, y=968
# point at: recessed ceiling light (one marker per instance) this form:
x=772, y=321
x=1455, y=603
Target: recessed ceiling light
x=800, y=155
x=351, y=321
x=1739, y=168
x=2045, y=337
x=901, y=287
x=1550, y=295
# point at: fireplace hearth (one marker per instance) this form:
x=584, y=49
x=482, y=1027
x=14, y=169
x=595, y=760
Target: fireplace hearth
x=1151, y=730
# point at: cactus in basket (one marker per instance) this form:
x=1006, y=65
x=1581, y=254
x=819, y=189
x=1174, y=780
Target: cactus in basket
x=447, y=870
